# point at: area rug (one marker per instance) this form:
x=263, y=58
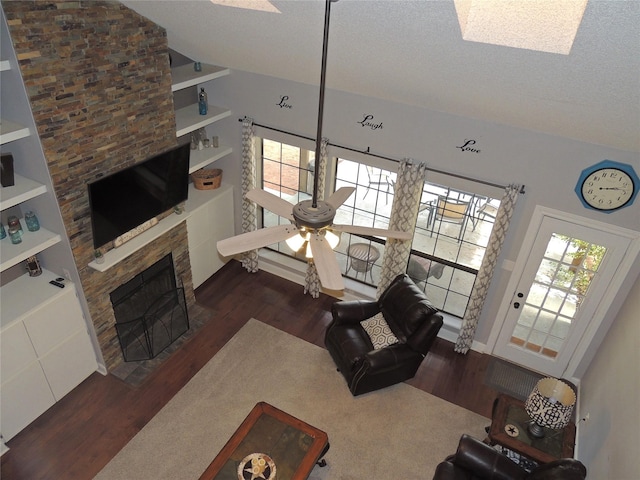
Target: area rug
x=398, y=432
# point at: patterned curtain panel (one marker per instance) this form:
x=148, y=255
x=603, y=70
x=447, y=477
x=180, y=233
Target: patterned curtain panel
x=483, y=279
x=404, y=214
x=311, y=280
x=249, y=209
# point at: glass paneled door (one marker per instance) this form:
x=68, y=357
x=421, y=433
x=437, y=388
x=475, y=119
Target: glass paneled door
x=565, y=275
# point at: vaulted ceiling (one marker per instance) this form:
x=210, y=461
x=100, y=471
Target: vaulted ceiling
x=412, y=52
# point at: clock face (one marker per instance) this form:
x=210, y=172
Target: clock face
x=608, y=188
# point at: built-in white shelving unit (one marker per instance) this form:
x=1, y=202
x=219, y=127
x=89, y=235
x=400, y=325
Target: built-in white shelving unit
x=24, y=188
x=45, y=346
x=188, y=119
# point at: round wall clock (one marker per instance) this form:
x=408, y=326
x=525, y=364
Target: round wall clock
x=607, y=186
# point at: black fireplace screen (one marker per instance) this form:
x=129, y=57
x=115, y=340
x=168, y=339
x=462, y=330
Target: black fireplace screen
x=151, y=312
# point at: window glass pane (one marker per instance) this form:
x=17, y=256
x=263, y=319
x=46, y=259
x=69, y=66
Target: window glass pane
x=450, y=239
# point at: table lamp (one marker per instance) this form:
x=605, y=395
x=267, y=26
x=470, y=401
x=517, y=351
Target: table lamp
x=549, y=405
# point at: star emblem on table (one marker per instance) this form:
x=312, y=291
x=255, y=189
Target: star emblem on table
x=511, y=430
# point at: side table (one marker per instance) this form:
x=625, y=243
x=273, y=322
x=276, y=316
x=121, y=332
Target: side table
x=509, y=422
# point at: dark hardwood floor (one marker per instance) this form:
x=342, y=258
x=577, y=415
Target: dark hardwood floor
x=78, y=436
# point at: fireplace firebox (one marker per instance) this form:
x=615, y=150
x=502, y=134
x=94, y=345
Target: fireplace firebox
x=150, y=311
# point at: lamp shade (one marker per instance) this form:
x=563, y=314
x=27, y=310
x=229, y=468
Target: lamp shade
x=550, y=404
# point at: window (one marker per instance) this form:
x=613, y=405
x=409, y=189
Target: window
x=450, y=238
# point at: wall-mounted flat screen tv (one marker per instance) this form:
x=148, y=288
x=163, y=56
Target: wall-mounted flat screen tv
x=126, y=199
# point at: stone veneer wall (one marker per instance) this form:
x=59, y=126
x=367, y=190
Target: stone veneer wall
x=98, y=78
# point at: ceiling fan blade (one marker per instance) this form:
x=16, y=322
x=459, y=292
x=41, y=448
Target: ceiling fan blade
x=340, y=196
x=326, y=263
x=376, y=232
x=256, y=239
x=271, y=202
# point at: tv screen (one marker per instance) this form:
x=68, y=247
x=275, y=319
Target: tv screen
x=130, y=197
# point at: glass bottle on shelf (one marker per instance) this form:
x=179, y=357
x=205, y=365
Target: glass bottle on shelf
x=33, y=225
x=15, y=235
x=203, y=104
x=14, y=221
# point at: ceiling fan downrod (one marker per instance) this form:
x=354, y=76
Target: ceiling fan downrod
x=315, y=214
x=323, y=75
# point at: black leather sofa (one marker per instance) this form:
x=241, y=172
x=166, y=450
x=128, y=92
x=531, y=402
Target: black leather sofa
x=411, y=318
x=475, y=460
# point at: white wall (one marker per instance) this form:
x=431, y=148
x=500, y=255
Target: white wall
x=548, y=166
x=610, y=394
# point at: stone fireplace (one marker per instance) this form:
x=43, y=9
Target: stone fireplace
x=98, y=78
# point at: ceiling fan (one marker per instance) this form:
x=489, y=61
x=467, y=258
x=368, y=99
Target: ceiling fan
x=312, y=226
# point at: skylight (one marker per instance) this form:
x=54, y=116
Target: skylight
x=260, y=5
x=542, y=25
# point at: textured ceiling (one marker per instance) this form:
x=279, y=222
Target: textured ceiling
x=412, y=52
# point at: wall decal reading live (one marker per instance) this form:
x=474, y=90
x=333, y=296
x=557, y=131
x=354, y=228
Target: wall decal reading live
x=366, y=122
x=468, y=146
x=283, y=102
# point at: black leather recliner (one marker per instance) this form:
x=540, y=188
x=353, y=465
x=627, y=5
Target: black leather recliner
x=475, y=460
x=411, y=318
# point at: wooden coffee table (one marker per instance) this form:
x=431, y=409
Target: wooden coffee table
x=271, y=441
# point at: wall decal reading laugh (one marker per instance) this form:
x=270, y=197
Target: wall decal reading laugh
x=468, y=146
x=283, y=102
x=367, y=122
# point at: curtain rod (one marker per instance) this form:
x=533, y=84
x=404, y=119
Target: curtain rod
x=367, y=152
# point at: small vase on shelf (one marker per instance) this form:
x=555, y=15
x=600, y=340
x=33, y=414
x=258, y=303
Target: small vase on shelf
x=203, y=105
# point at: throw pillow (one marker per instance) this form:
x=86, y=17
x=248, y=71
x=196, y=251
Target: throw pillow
x=379, y=332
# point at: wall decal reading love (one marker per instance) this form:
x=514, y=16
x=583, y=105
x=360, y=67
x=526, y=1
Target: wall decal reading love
x=468, y=146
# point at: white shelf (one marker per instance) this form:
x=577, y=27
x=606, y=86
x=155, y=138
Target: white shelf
x=202, y=158
x=185, y=76
x=26, y=293
x=4, y=65
x=10, y=131
x=23, y=190
x=32, y=243
x=116, y=255
x=188, y=119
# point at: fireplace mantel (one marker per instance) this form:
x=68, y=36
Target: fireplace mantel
x=197, y=198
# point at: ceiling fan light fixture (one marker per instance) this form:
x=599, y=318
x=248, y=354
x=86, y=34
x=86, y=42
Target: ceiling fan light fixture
x=308, y=253
x=296, y=242
x=332, y=239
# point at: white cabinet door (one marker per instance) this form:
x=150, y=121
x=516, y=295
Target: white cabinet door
x=69, y=364
x=222, y=227
x=212, y=221
x=17, y=351
x=56, y=321
x=23, y=399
